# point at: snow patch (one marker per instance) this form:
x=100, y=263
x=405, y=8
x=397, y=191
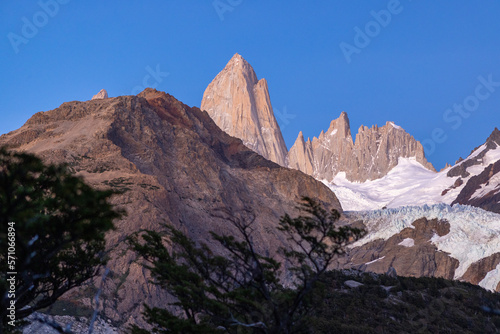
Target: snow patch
x=436, y=238
x=491, y=280
x=380, y=258
x=475, y=153
x=408, y=242
x=491, y=156
x=493, y=184
x=407, y=183
x=394, y=125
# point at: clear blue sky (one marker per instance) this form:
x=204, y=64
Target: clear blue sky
x=409, y=69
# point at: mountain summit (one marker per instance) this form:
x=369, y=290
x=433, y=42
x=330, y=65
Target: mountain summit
x=374, y=153
x=103, y=94
x=240, y=105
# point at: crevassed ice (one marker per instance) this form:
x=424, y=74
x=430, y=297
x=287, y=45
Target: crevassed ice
x=474, y=232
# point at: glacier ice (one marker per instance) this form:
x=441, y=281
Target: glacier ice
x=474, y=232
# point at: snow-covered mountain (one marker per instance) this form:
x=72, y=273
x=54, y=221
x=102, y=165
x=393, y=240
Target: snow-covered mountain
x=399, y=238
x=383, y=167
x=474, y=180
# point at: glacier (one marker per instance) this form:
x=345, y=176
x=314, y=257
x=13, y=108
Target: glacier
x=474, y=232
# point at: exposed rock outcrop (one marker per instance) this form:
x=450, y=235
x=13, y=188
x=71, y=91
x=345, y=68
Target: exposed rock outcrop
x=478, y=270
x=173, y=165
x=240, y=105
x=409, y=252
x=103, y=94
x=374, y=153
x=301, y=158
x=483, y=189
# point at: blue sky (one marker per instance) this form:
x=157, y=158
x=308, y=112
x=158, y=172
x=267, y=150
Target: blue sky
x=431, y=67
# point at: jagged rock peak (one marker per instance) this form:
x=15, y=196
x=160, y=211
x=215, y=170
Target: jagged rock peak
x=300, y=157
x=447, y=165
x=103, y=94
x=494, y=137
x=372, y=155
x=340, y=126
x=240, y=105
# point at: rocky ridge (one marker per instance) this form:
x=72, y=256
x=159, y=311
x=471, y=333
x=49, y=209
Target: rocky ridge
x=372, y=155
x=172, y=165
x=409, y=252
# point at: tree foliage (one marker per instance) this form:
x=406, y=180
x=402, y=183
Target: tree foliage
x=59, y=223
x=242, y=291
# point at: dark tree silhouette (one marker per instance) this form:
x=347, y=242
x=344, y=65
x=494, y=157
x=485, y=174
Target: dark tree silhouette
x=242, y=291
x=55, y=223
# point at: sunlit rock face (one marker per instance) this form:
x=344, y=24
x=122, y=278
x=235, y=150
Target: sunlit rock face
x=372, y=155
x=240, y=105
x=103, y=94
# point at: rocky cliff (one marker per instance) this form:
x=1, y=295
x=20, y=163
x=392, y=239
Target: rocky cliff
x=174, y=166
x=372, y=155
x=240, y=105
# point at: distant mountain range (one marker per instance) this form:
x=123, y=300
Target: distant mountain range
x=384, y=167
